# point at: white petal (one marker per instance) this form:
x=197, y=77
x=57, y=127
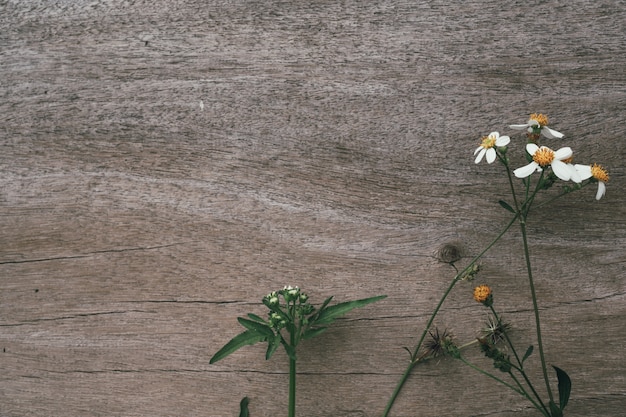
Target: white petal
x=584, y=171
x=480, y=155
x=526, y=170
x=561, y=169
x=478, y=149
x=531, y=148
x=601, y=190
x=503, y=141
x=563, y=153
x=551, y=133
x=518, y=127
x=575, y=175
x=491, y=155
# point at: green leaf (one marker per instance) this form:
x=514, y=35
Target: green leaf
x=326, y=302
x=506, y=206
x=291, y=351
x=272, y=345
x=311, y=333
x=256, y=326
x=565, y=386
x=555, y=411
x=529, y=352
x=243, y=406
x=256, y=318
x=329, y=314
x=249, y=337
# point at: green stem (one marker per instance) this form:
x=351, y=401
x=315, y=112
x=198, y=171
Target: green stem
x=414, y=357
x=535, y=306
x=520, y=369
x=292, y=381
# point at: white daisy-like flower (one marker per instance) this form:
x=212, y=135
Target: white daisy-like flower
x=598, y=173
x=543, y=157
x=538, y=124
x=488, y=145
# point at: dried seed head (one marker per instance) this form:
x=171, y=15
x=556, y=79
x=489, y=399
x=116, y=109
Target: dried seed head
x=449, y=252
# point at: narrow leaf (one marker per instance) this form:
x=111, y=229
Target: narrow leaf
x=506, y=206
x=565, y=386
x=555, y=411
x=408, y=350
x=329, y=314
x=529, y=352
x=249, y=337
x=326, y=302
x=256, y=318
x=243, y=406
x=256, y=326
x=311, y=333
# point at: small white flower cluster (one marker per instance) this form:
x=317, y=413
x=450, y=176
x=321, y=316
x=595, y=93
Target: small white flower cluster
x=542, y=156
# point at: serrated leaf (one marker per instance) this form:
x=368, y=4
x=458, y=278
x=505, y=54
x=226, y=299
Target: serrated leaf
x=272, y=345
x=329, y=314
x=565, y=386
x=506, y=206
x=243, y=407
x=249, y=337
x=529, y=352
x=256, y=326
x=311, y=333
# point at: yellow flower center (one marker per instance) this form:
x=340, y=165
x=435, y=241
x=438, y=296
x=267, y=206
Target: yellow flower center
x=599, y=173
x=488, y=142
x=481, y=293
x=544, y=156
x=542, y=119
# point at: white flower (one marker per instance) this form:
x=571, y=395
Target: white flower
x=538, y=123
x=598, y=173
x=543, y=157
x=488, y=145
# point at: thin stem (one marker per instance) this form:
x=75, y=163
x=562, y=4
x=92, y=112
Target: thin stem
x=482, y=371
x=535, y=307
x=414, y=357
x=520, y=369
x=292, y=381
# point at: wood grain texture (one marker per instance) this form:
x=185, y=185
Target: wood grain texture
x=165, y=164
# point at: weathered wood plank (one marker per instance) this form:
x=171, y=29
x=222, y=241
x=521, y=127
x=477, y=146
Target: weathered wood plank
x=165, y=164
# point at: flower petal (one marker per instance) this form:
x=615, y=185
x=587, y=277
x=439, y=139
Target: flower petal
x=563, y=153
x=551, y=133
x=561, y=169
x=491, y=155
x=601, y=190
x=584, y=171
x=480, y=147
x=526, y=170
x=519, y=127
x=480, y=155
x=575, y=175
x=503, y=141
x=531, y=148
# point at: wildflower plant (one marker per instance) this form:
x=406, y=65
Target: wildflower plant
x=291, y=318
x=539, y=170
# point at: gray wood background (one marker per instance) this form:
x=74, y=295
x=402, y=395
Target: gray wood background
x=164, y=164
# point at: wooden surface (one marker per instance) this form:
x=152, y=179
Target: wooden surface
x=165, y=164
